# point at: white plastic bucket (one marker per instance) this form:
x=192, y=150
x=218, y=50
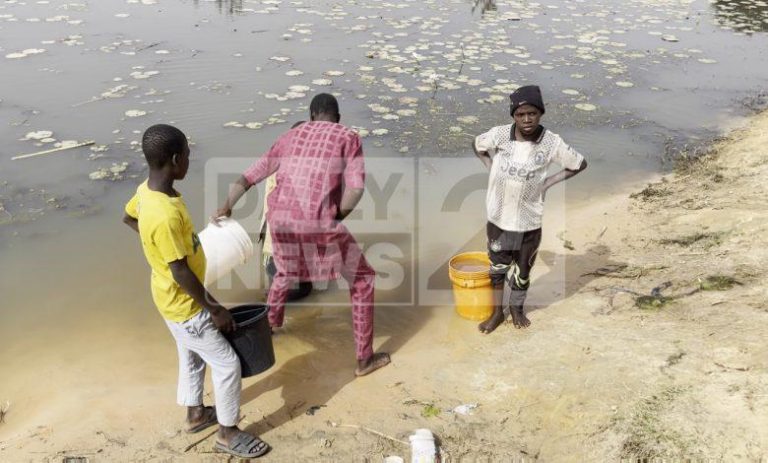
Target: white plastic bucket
x=226, y=246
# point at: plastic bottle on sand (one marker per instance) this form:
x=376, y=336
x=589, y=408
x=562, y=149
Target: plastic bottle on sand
x=423, y=448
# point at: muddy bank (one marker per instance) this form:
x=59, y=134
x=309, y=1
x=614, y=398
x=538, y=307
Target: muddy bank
x=655, y=347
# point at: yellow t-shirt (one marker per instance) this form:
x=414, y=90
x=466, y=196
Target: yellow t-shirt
x=167, y=235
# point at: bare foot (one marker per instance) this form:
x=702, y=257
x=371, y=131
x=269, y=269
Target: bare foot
x=519, y=319
x=200, y=418
x=492, y=322
x=377, y=361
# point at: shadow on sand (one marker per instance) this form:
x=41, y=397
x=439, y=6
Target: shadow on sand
x=311, y=378
x=567, y=275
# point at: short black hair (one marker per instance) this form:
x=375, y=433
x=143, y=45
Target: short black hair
x=160, y=143
x=324, y=103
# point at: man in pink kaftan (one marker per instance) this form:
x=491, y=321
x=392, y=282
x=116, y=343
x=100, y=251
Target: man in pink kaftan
x=320, y=178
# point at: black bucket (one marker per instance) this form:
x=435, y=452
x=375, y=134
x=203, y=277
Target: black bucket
x=252, y=340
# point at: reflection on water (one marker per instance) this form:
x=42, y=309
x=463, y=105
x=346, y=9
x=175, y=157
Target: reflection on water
x=484, y=6
x=225, y=6
x=747, y=16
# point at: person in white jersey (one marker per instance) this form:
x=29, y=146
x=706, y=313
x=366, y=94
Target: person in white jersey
x=518, y=156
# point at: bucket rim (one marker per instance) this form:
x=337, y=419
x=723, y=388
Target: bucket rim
x=241, y=309
x=477, y=255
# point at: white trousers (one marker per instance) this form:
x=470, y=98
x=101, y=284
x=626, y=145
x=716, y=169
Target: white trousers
x=200, y=343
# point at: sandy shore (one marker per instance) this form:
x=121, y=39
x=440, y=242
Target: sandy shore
x=655, y=348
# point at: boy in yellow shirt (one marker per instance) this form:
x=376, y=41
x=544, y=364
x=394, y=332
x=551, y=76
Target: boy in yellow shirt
x=196, y=320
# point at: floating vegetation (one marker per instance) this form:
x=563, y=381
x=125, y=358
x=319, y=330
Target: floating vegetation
x=468, y=119
x=113, y=173
x=38, y=135
x=25, y=53
x=135, y=113
x=143, y=75
x=745, y=16
x=119, y=91
x=585, y=106
x=414, y=72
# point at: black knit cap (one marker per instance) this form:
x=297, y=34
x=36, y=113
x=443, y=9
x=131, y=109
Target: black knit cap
x=527, y=94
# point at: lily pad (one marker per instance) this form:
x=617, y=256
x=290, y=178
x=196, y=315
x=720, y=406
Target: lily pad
x=585, y=106
x=39, y=135
x=135, y=113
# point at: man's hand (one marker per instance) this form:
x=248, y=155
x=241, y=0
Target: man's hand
x=221, y=213
x=236, y=191
x=223, y=320
x=349, y=200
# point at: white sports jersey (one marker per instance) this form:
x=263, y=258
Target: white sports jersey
x=518, y=171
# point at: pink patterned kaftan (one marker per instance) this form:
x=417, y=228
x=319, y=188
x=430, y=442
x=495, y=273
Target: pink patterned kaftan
x=314, y=162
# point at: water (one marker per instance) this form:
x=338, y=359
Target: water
x=419, y=77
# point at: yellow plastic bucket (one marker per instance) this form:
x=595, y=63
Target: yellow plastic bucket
x=471, y=278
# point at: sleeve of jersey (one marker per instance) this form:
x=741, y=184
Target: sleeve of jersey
x=567, y=157
x=487, y=142
x=168, y=236
x=132, y=207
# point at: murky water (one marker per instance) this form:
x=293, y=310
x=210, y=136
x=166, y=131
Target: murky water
x=418, y=78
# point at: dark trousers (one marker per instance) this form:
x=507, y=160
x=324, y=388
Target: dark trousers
x=512, y=256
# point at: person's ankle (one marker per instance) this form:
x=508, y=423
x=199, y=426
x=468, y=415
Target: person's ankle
x=195, y=411
x=227, y=431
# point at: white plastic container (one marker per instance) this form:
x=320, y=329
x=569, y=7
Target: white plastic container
x=226, y=246
x=423, y=448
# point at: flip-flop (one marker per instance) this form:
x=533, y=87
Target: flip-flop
x=379, y=360
x=244, y=445
x=210, y=420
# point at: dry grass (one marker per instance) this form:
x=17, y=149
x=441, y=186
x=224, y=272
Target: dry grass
x=647, y=436
x=706, y=239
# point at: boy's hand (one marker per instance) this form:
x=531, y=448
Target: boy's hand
x=221, y=213
x=223, y=320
